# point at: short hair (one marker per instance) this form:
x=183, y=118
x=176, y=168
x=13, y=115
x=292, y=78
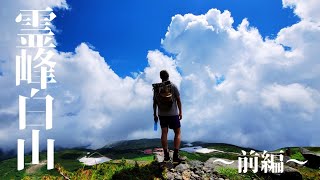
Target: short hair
x=164, y=75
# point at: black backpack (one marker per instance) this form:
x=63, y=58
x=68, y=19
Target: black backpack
x=163, y=93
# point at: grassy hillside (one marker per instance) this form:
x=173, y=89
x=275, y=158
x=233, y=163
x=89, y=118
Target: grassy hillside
x=67, y=158
x=9, y=170
x=128, y=161
x=205, y=157
x=117, y=170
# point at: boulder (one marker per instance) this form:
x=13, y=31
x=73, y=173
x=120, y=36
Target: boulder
x=313, y=158
x=291, y=164
x=170, y=175
x=195, y=164
x=186, y=175
x=181, y=167
x=288, y=173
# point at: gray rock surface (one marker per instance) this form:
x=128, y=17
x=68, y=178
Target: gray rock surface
x=182, y=167
x=313, y=158
x=192, y=170
x=197, y=170
x=288, y=173
x=291, y=164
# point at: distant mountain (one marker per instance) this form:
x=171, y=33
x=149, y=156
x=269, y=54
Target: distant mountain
x=138, y=144
x=7, y=154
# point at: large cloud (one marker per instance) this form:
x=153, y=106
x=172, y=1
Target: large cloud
x=92, y=106
x=269, y=97
x=307, y=9
x=269, y=92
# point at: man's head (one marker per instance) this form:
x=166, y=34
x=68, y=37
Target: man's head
x=164, y=75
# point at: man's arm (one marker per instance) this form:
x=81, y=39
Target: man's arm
x=179, y=107
x=155, y=110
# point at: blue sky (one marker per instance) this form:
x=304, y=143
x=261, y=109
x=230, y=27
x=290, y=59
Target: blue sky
x=124, y=30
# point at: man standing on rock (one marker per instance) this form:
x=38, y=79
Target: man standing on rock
x=166, y=99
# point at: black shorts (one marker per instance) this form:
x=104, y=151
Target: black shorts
x=172, y=122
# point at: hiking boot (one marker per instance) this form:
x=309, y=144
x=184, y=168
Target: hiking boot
x=166, y=157
x=177, y=159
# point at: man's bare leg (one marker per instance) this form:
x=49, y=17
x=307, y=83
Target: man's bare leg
x=164, y=138
x=164, y=142
x=177, y=138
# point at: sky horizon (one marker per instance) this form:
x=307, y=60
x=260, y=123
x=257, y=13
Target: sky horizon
x=247, y=71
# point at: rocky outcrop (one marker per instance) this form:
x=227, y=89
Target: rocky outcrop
x=196, y=170
x=193, y=170
x=288, y=173
x=313, y=158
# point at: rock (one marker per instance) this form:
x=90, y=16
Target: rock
x=195, y=164
x=170, y=175
x=186, y=175
x=205, y=169
x=288, y=173
x=178, y=176
x=181, y=167
x=166, y=165
x=313, y=158
x=303, y=150
x=158, y=157
x=291, y=164
x=195, y=176
x=197, y=170
x=215, y=178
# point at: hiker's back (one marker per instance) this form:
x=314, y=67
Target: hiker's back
x=165, y=94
